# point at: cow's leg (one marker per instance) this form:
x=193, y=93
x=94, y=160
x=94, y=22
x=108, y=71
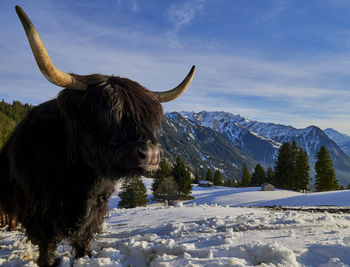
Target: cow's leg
x=12, y=223
x=2, y=219
x=82, y=248
x=47, y=254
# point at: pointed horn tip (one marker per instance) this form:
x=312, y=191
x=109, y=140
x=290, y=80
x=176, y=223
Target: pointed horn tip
x=19, y=10
x=23, y=17
x=177, y=91
x=193, y=70
x=42, y=58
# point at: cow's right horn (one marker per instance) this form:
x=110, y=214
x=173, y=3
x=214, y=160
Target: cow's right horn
x=178, y=90
x=42, y=58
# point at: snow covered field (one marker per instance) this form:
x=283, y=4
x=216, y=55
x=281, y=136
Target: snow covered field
x=221, y=227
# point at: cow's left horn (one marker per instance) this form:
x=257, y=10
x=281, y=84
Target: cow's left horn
x=178, y=90
x=42, y=58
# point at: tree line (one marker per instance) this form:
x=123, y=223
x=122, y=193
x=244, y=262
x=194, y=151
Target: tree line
x=212, y=176
x=292, y=170
x=170, y=183
x=10, y=115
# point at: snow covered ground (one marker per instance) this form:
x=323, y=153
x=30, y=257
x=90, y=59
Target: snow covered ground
x=221, y=227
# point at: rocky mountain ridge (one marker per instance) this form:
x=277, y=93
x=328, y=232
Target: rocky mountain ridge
x=224, y=141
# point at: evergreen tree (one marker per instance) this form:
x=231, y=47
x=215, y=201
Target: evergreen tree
x=269, y=175
x=6, y=127
x=302, y=169
x=182, y=177
x=258, y=176
x=218, y=178
x=10, y=115
x=325, y=179
x=163, y=172
x=283, y=174
x=245, y=176
x=292, y=183
x=196, y=177
x=168, y=191
x=133, y=193
x=209, y=176
x=291, y=168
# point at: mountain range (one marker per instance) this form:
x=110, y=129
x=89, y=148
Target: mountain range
x=223, y=141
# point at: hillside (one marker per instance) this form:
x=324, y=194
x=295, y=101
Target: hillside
x=342, y=140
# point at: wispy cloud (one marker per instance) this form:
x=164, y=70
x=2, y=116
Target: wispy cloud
x=182, y=14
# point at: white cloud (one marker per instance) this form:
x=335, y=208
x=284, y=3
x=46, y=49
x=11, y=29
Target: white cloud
x=182, y=15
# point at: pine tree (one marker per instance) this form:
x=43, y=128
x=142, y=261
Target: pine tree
x=196, y=177
x=269, y=175
x=163, y=172
x=182, y=177
x=291, y=168
x=325, y=174
x=6, y=127
x=133, y=193
x=258, y=176
x=284, y=168
x=218, y=178
x=209, y=176
x=302, y=169
x=168, y=191
x=245, y=176
x=292, y=183
x=10, y=115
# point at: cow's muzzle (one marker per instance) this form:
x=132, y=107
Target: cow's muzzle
x=146, y=156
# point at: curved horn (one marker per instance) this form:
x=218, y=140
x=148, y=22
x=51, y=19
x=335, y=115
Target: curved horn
x=178, y=90
x=42, y=58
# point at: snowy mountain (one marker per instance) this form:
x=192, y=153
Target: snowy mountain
x=342, y=140
x=252, y=139
x=201, y=147
x=262, y=149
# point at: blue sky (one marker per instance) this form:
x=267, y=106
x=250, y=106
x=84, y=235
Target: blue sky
x=275, y=61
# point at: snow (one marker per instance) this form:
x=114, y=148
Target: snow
x=220, y=227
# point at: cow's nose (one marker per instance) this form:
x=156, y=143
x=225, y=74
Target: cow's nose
x=147, y=154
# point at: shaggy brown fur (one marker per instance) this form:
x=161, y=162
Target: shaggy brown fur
x=60, y=166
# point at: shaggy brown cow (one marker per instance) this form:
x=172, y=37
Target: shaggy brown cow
x=60, y=166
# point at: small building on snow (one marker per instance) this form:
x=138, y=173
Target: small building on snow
x=204, y=183
x=267, y=187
